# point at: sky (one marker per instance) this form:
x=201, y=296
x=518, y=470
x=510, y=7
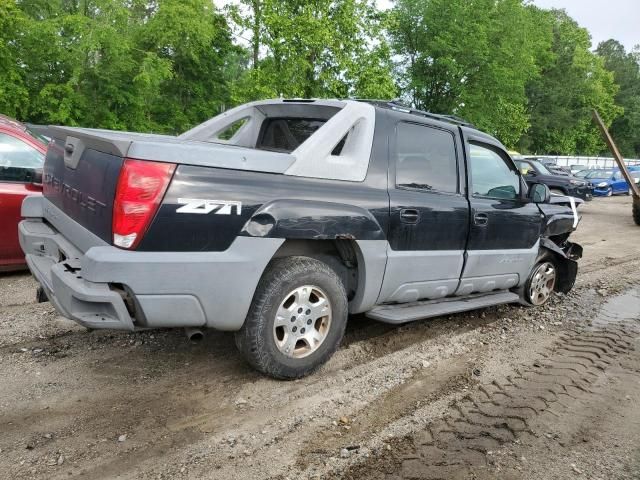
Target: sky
x=618, y=19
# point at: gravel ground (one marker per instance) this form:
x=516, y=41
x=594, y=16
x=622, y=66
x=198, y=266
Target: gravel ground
x=505, y=392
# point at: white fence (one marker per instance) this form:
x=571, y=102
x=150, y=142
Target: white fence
x=588, y=162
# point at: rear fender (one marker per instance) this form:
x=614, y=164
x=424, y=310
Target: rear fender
x=311, y=220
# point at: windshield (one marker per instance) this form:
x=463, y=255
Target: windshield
x=599, y=174
x=40, y=138
x=582, y=173
x=540, y=167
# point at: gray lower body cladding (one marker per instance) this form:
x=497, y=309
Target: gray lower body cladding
x=105, y=287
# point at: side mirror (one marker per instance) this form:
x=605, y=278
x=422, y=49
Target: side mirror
x=539, y=193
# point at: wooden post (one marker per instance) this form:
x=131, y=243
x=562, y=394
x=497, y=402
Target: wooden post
x=617, y=157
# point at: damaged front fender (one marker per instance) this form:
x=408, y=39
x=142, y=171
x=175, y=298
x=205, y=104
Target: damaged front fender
x=566, y=258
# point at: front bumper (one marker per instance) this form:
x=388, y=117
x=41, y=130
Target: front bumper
x=585, y=193
x=106, y=287
x=601, y=191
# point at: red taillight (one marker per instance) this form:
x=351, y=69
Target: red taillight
x=141, y=187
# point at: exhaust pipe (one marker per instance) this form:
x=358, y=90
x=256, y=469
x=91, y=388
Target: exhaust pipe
x=194, y=334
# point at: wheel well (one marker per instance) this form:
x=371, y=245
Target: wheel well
x=567, y=270
x=340, y=255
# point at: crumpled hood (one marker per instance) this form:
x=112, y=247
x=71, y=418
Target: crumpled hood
x=558, y=219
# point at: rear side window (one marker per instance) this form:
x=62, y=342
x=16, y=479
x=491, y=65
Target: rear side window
x=426, y=158
x=286, y=134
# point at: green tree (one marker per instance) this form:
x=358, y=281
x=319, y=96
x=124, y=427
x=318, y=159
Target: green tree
x=121, y=64
x=306, y=49
x=626, y=70
x=471, y=58
x=573, y=82
x=14, y=95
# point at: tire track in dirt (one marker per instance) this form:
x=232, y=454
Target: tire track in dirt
x=566, y=374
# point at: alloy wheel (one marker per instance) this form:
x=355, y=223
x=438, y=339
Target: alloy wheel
x=543, y=281
x=302, y=321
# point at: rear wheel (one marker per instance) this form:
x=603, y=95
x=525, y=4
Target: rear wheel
x=297, y=319
x=541, y=282
x=636, y=210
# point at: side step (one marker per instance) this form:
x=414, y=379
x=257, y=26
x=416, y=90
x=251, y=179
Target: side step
x=409, y=312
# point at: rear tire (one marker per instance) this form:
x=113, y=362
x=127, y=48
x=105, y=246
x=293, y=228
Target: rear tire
x=297, y=318
x=636, y=210
x=41, y=297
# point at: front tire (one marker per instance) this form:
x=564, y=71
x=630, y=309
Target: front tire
x=297, y=318
x=541, y=283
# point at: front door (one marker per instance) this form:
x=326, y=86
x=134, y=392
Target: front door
x=18, y=164
x=505, y=226
x=429, y=217
x=618, y=183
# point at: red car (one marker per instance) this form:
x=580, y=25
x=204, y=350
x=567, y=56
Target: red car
x=21, y=157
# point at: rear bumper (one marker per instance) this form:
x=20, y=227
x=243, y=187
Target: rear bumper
x=106, y=287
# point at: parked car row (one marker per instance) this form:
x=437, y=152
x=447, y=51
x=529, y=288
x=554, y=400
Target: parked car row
x=608, y=182
x=535, y=171
x=577, y=180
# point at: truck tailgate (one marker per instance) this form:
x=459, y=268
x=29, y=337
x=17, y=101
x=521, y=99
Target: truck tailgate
x=81, y=181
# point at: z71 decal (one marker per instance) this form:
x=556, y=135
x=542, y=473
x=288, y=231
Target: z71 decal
x=203, y=206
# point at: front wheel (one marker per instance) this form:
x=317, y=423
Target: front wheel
x=610, y=192
x=541, y=282
x=297, y=318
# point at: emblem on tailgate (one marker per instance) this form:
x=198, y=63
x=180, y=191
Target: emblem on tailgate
x=204, y=206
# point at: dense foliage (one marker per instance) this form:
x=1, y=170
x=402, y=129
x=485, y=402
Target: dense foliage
x=525, y=74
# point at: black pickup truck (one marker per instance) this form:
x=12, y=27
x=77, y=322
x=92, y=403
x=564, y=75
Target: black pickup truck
x=279, y=218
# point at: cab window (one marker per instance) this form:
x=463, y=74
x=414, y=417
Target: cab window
x=492, y=176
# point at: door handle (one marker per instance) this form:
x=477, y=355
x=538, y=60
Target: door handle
x=409, y=215
x=481, y=219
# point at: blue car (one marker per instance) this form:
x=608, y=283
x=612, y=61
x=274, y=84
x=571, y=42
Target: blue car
x=608, y=182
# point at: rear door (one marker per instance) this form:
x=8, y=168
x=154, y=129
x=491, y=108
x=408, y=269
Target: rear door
x=505, y=226
x=429, y=216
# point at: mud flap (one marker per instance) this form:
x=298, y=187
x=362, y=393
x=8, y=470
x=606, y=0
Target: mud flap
x=567, y=258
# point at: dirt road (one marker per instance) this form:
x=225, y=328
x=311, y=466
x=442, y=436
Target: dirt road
x=505, y=392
